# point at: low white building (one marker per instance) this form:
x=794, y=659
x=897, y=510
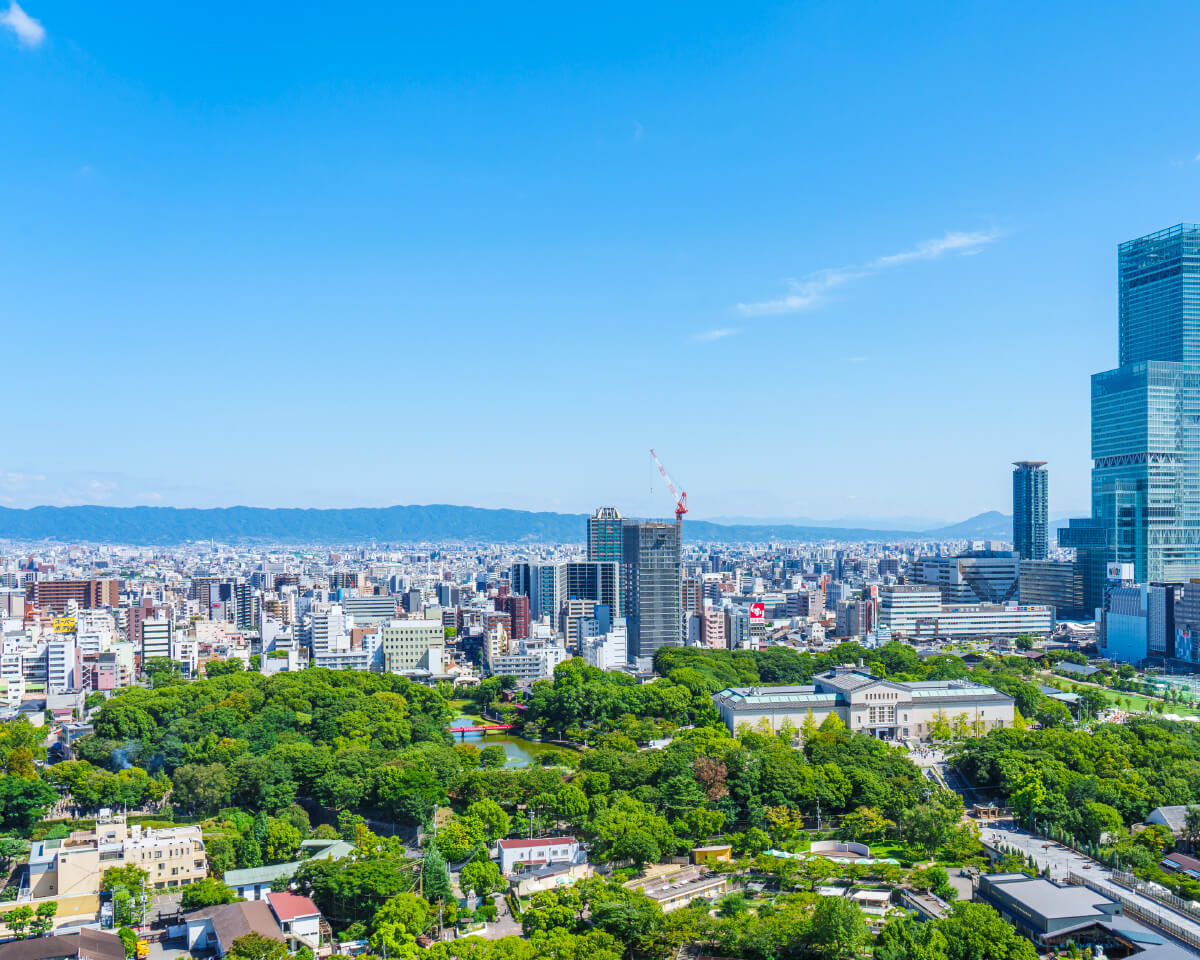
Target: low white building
x=538, y=853
x=609, y=651
x=886, y=709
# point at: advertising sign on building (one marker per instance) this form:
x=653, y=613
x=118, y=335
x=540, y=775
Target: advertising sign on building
x=758, y=611
x=1120, y=572
x=64, y=624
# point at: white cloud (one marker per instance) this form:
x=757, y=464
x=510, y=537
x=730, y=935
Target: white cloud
x=29, y=32
x=814, y=289
x=1196, y=159
x=710, y=335
x=15, y=481
x=102, y=489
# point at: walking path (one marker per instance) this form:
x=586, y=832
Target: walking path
x=1063, y=861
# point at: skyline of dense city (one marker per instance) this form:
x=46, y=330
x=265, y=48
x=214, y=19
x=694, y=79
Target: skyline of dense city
x=651, y=482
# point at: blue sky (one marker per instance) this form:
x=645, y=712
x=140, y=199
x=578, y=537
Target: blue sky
x=829, y=259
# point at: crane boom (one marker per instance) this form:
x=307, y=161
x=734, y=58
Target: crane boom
x=680, y=498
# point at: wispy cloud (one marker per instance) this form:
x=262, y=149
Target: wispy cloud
x=719, y=334
x=814, y=289
x=29, y=32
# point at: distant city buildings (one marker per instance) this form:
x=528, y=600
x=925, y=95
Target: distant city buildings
x=916, y=612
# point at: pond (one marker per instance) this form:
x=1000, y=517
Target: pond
x=518, y=751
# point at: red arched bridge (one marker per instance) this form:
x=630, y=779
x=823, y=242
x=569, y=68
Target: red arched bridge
x=483, y=728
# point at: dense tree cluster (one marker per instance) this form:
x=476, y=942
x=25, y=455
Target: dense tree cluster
x=1074, y=778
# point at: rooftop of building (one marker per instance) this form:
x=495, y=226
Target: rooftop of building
x=89, y=944
x=233, y=920
x=842, y=681
x=1044, y=898
x=291, y=906
x=536, y=842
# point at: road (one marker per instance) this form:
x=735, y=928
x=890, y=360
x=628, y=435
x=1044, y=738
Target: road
x=1062, y=860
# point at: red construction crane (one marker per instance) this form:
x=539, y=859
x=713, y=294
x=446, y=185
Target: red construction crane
x=681, y=506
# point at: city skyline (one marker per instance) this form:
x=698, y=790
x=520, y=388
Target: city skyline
x=379, y=213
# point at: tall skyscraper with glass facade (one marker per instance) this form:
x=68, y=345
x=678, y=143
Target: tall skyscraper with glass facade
x=653, y=587
x=1146, y=422
x=605, y=540
x=1031, y=499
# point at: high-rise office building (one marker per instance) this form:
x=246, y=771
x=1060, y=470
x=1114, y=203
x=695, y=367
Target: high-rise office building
x=605, y=541
x=1146, y=422
x=598, y=580
x=652, y=585
x=1158, y=284
x=1031, y=509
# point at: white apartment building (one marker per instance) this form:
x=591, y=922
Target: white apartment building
x=541, y=852
x=156, y=639
x=185, y=651
x=62, y=664
x=327, y=631
x=609, y=651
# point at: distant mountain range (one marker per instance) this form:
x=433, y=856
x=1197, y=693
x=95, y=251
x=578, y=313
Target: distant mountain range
x=408, y=524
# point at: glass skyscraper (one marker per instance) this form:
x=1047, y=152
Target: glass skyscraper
x=1030, y=509
x=1146, y=422
x=1158, y=278
x=605, y=541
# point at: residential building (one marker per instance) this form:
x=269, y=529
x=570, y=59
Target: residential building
x=517, y=607
x=712, y=627
x=213, y=930
x=171, y=856
x=1031, y=502
x=54, y=595
x=327, y=628
x=156, y=639
x=84, y=944
x=607, y=651
x=515, y=854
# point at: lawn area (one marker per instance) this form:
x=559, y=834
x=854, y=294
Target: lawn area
x=467, y=708
x=1123, y=698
